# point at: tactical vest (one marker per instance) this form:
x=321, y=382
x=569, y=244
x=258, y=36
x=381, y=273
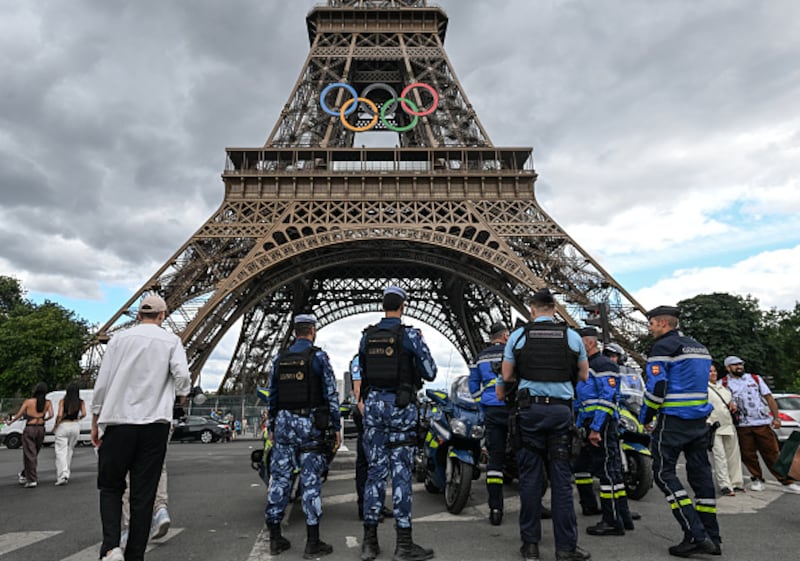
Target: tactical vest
x=298, y=388
x=545, y=356
x=387, y=365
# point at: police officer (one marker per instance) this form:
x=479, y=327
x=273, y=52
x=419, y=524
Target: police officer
x=677, y=396
x=483, y=375
x=361, y=456
x=303, y=408
x=394, y=358
x=597, y=400
x=546, y=358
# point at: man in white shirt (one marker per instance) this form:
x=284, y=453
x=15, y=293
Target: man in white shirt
x=755, y=403
x=143, y=370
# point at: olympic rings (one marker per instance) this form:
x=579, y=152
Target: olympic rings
x=369, y=107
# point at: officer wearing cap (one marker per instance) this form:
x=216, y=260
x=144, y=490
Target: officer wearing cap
x=484, y=373
x=597, y=400
x=303, y=409
x=394, y=360
x=546, y=358
x=677, y=396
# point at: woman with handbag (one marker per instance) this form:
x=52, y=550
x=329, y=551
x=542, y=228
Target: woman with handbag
x=726, y=459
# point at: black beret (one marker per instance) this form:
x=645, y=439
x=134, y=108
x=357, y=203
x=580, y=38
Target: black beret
x=588, y=331
x=664, y=311
x=497, y=327
x=543, y=296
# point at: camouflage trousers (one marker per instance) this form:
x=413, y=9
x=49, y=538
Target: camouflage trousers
x=389, y=442
x=287, y=460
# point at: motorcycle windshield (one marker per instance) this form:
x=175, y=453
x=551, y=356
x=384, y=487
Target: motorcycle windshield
x=631, y=389
x=460, y=394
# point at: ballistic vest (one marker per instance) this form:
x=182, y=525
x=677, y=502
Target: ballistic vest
x=387, y=365
x=298, y=388
x=545, y=356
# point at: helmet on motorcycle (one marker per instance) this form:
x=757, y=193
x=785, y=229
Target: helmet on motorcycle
x=614, y=349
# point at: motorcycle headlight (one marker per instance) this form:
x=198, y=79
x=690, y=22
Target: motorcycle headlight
x=476, y=432
x=628, y=424
x=458, y=427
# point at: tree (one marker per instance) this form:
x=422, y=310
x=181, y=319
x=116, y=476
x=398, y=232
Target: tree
x=41, y=343
x=783, y=329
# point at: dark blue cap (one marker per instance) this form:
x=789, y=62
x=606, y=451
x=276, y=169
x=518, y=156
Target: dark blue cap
x=664, y=311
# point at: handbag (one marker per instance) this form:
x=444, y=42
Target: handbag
x=736, y=416
x=788, y=464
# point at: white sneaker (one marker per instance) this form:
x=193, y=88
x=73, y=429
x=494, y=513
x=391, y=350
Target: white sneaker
x=21, y=478
x=31, y=484
x=160, y=525
x=757, y=485
x=792, y=488
x=114, y=555
x=61, y=481
x=123, y=539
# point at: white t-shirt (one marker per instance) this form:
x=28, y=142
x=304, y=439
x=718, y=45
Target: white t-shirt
x=749, y=397
x=143, y=369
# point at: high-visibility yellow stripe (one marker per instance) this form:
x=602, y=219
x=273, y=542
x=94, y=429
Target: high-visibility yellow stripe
x=703, y=508
x=652, y=404
x=587, y=481
x=494, y=480
x=684, y=403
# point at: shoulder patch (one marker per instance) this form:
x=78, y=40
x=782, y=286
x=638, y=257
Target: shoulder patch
x=612, y=381
x=655, y=370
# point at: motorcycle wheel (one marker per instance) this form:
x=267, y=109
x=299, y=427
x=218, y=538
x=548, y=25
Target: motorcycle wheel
x=431, y=487
x=639, y=477
x=457, y=485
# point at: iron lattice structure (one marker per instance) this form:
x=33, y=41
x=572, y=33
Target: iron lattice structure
x=310, y=222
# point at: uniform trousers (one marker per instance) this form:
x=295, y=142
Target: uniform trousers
x=671, y=437
x=496, y=422
x=760, y=439
x=138, y=450
x=545, y=433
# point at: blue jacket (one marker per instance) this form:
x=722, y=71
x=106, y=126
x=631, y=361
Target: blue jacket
x=482, y=377
x=677, y=378
x=413, y=343
x=320, y=366
x=598, y=396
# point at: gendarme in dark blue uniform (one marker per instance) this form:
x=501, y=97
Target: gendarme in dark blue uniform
x=677, y=395
x=546, y=358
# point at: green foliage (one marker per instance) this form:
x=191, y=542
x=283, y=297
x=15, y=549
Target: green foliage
x=37, y=343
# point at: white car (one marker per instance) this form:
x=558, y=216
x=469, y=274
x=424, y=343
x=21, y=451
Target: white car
x=789, y=414
x=11, y=435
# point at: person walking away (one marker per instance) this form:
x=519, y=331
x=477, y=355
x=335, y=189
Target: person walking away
x=67, y=429
x=546, y=358
x=483, y=376
x=303, y=407
x=144, y=369
x=725, y=455
x=394, y=360
x=36, y=410
x=677, y=396
x=755, y=404
x=598, y=414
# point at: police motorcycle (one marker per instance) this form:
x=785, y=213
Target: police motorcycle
x=448, y=459
x=637, y=460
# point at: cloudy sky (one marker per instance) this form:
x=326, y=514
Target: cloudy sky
x=666, y=134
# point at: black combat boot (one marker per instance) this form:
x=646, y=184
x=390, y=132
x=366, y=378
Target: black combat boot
x=314, y=546
x=277, y=543
x=407, y=550
x=369, y=546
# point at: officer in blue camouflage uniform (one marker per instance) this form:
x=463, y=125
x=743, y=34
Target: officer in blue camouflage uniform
x=677, y=395
x=393, y=358
x=303, y=405
x=546, y=358
x=596, y=403
x=483, y=375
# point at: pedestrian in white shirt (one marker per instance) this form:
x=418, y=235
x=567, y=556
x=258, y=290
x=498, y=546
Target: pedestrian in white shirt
x=143, y=370
x=727, y=460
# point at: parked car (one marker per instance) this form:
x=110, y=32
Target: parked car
x=11, y=435
x=789, y=414
x=203, y=429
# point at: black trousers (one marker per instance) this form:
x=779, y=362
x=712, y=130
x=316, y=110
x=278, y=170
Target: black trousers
x=496, y=420
x=140, y=450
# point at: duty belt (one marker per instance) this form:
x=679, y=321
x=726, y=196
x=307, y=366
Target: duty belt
x=304, y=412
x=547, y=400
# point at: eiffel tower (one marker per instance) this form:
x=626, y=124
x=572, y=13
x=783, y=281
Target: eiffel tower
x=312, y=222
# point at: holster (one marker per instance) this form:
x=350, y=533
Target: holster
x=322, y=418
x=712, y=433
x=405, y=394
x=514, y=435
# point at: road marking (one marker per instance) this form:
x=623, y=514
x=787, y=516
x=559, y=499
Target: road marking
x=351, y=541
x=93, y=551
x=750, y=502
x=261, y=547
x=16, y=540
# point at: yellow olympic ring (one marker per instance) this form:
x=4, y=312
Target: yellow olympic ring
x=370, y=104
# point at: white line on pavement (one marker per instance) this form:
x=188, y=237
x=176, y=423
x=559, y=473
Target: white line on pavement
x=16, y=540
x=92, y=552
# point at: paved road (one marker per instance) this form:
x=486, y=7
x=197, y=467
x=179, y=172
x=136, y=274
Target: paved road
x=217, y=502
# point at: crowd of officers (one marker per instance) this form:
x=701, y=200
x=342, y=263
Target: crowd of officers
x=542, y=381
